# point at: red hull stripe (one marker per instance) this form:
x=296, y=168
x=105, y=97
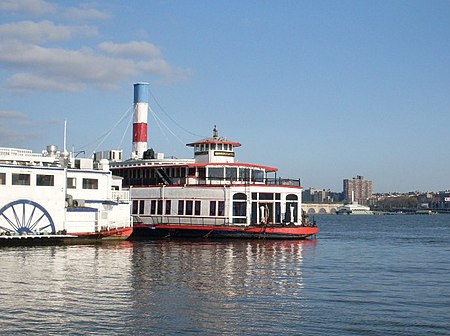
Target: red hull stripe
x=125, y=232
x=299, y=230
x=140, y=132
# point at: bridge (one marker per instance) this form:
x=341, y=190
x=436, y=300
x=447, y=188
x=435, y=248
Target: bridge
x=321, y=208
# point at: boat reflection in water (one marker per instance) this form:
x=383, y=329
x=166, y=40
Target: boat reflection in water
x=160, y=287
x=219, y=284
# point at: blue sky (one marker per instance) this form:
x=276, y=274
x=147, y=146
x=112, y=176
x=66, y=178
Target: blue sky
x=323, y=90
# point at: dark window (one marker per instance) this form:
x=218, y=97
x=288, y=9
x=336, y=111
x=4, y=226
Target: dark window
x=215, y=173
x=197, y=208
x=141, y=207
x=45, y=180
x=257, y=175
x=291, y=197
x=244, y=174
x=266, y=196
x=231, y=173
x=168, y=207
x=277, y=196
x=240, y=196
x=21, y=179
x=189, y=205
x=153, y=207
x=90, y=183
x=160, y=207
x=180, y=207
x=212, y=208
x=221, y=209
x=239, y=208
x=135, y=207
x=2, y=178
x=71, y=182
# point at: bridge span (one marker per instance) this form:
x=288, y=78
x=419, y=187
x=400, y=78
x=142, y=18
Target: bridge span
x=321, y=208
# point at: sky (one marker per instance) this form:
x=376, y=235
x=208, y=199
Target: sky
x=322, y=90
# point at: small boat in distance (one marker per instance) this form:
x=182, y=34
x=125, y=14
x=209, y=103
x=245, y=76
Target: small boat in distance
x=53, y=197
x=354, y=208
x=209, y=196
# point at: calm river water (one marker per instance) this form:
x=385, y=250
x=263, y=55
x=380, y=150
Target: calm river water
x=369, y=275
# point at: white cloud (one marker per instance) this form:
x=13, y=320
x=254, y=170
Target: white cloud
x=31, y=7
x=26, y=81
x=11, y=115
x=43, y=31
x=164, y=69
x=86, y=14
x=131, y=49
x=32, y=59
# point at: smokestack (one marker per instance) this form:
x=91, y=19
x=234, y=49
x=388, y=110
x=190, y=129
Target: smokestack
x=140, y=120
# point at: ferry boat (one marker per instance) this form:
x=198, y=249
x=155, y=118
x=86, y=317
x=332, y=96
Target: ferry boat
x=53, y=196
x=354, y=209
x=209, y=196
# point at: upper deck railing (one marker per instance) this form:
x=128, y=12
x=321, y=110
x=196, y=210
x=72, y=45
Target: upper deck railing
x=148, y=181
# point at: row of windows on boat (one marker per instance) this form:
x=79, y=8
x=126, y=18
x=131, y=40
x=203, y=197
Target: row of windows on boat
x=217, y=208
x=212, y=146
x=230, y=173
x=260, y=211
x=45, y=180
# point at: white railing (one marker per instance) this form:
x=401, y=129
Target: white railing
x=4, y=151
x=122, y=195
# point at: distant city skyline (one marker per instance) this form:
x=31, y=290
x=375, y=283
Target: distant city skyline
x=323, y=90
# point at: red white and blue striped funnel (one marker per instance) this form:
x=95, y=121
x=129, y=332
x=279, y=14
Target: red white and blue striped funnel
x=140, y=117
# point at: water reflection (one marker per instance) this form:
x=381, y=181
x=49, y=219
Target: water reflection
x=213, y=285
x=158, y=287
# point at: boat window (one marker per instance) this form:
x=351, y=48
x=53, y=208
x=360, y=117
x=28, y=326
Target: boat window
x=239, y=212
x=291, y=212
x=212, y=208
x=189, y=205
x=231, y=173
x=168, y=207
x=153, y=207
x=71, y=182
x=191, y=172
x=2, y=178
x=45, y=180
x=254, y=196
x=213, y=146
x=219, y=146
x=266, y=196
x=135, y=207
x=197, y=208
x=244, y=174
x=180, y=207
x=141, y=207
x=240, y=196
x=277, y=196
x=221, y=208
x=160, y=207
x=21, y=179
x=215, y=173
x=90, y=183
x=202, y=172
x=257, y=175
x=292, y=197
